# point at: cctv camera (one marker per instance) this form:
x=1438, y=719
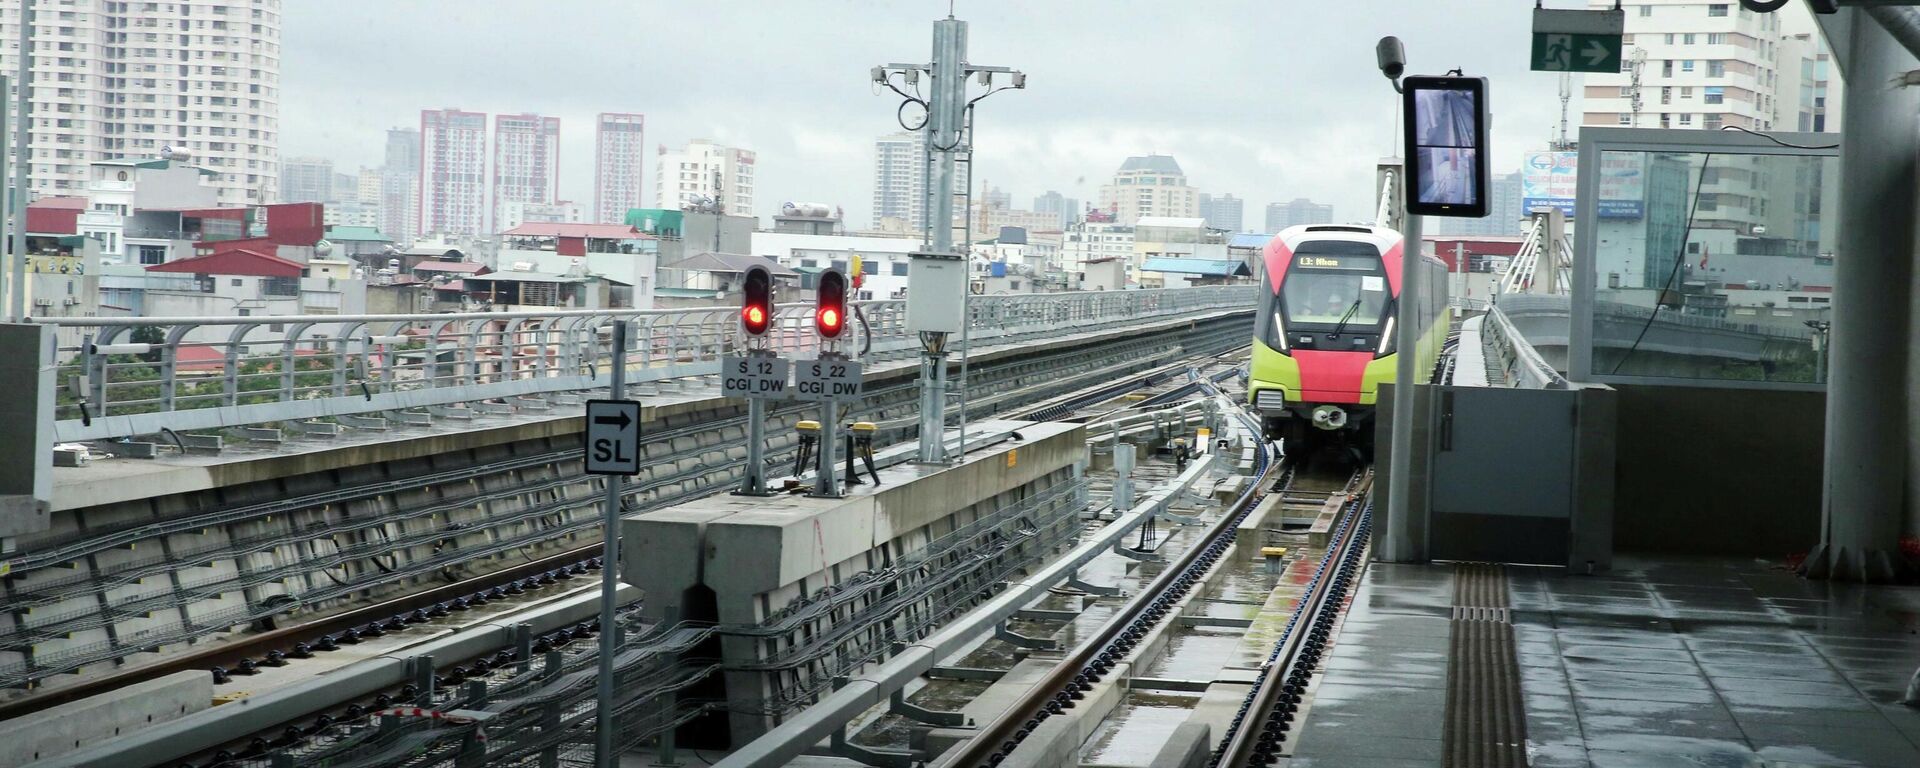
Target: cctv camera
x=879, y=74
x=1392, y=56
x=1019, y=79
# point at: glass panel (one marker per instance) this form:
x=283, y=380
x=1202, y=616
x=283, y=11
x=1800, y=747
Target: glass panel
x=1713, y=266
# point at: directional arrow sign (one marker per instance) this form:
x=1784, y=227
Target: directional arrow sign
x=1577, y=41
x=613, y=437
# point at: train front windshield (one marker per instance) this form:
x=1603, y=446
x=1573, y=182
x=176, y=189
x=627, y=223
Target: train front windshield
x=1332, y=282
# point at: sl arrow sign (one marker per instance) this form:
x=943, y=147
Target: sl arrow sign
x=1577, y=41
x=613, y=437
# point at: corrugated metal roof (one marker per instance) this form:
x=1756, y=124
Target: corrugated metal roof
x=1209, y=267
x=236, y=261
x=524, y=277
x=713, y=261
x=1179, y=222
x=1249, y=240
x=449, y=266
x=357, y=234
x=590, y=231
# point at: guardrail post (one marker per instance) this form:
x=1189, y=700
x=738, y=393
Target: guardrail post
x=422, y=679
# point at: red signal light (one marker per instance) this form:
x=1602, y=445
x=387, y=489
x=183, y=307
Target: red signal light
x=757, y=294
x=830, y=304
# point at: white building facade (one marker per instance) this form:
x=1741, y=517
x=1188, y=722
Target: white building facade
x=526, y=161
x=1152, y=185
x=306, y=180
x=1087, y=241
x=452, y=178
x=129, y=79
x=703, y=170
x=619, y=146
x=516, y=213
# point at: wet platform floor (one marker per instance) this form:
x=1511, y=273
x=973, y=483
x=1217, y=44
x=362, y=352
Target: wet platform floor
x=1662, y=662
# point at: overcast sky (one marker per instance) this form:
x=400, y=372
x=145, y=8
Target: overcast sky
x=1266, y=99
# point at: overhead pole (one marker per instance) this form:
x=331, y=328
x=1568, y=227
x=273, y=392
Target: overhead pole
x=17, y=200
x=944, y=137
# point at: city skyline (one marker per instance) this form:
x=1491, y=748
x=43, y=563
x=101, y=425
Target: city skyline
x=810, y=115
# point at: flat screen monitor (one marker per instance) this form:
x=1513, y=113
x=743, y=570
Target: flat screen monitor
x=1446, y=146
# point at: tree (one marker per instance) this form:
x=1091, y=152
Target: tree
x=149, y=334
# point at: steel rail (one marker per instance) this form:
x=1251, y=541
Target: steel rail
x=1090, y=660
x=1266, y=716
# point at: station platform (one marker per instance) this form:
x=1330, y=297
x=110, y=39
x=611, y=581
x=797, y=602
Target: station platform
x=1662, y=662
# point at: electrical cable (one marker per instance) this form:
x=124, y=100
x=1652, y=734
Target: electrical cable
x=1770, y=137
x=1680, y=257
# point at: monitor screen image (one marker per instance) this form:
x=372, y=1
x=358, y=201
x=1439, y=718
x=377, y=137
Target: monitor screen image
x=1445, y=133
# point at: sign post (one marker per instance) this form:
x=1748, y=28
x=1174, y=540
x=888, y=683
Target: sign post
x=759, y=376
x=613, y=450
x=830, y=380
x=1577, y=41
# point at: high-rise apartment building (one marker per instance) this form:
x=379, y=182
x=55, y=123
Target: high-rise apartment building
x=704, y=171
x=618, y=147
x=1300, y=211
x=366, y=187
x=400, y=186
x=1152, y=185
x=453, y=165
x=130, y=79
x=1223, y=212
x=1709, y=65
x=526, y=161
x=898, y=176
x=306, y=180
x=1067, y=208
x=1503, y=212
x=899, y=179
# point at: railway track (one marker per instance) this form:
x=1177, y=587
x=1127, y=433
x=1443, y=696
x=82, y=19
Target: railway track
x=1259, y=730
x=290, y=640
x=1076, y=674
x=1258, y=733
x=249, y=653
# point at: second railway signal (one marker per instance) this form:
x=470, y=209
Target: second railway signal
x=830, y=304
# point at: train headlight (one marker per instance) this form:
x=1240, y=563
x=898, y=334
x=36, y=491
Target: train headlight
x=1386, y=339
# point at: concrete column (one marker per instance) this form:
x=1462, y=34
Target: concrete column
x=1866, y=391
x=26, y=460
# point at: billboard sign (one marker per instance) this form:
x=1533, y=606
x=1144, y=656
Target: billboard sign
x=1551, y=180
x=1547, y=180
x=1622, y=185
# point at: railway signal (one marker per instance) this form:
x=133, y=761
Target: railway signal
x=830, y=304
x=756, y=306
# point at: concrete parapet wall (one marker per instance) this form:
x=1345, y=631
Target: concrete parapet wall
x=753, y=559
x=65, y=728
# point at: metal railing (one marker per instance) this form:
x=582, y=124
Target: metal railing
x=1519, y=364
x=134, y=376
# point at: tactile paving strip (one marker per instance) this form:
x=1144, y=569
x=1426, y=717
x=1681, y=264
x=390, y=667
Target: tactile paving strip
x=1486, y=722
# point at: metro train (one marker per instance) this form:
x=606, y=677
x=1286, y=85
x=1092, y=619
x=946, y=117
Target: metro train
x=1324, y=337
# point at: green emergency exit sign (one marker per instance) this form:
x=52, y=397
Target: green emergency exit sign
x=1577, y=41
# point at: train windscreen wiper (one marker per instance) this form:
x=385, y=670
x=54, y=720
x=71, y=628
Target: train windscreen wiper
x=1344, y=318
